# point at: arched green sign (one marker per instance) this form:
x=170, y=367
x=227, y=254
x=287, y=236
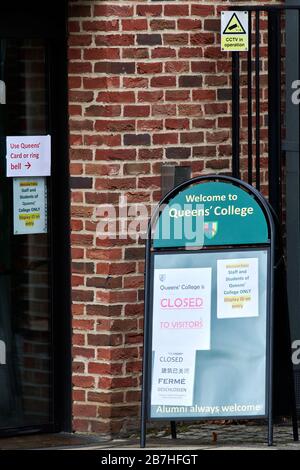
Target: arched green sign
x=209, y=214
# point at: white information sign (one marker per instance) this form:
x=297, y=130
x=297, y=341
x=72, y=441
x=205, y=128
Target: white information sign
x=28, y=155
x=30, y=205
x=237, y=288
x=181, y=302
x=181, y=326
x=173, y=377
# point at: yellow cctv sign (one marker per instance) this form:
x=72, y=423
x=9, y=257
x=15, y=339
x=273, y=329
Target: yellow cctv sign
x=234, y=31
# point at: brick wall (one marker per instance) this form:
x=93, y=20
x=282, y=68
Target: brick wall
x=148, y=85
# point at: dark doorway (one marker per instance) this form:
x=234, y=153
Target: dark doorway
x=34, y=265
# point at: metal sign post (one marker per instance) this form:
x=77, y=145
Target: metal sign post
x=209, y=301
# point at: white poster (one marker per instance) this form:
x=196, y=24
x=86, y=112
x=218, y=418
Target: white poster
x=30, y=205
x=181, y=326
x=28, y=155
x=237, y=288
x=173, y=377
x=181, y=308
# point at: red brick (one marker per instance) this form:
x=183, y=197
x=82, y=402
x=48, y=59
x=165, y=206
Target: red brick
x=78, y=339
x=121, y=11
x=164, y=110
x=134, y=25
x=191, y=137
x=204, y=95
x=99, y=369
x=204, y=123
x=101, y=82
x=88, y=353
x=164, y=139
x=85, y=410
x=80, y=67
x=177, y=67
x=217, y=136
x=103, y=111
x=188, y=24
x=115, y=154
x=136, y=111
x=150, y=125
x=80, y=40
x=83, y=381
x=105, y=170
x=112, y=25
x=190, y=52
x=176, y=10
x=74, y=82
x=78, y=395
x=158, y=25
x=163, y=81
x=75, y=110
x=75, y=139
x=83, y=325
x=216, y=108
x=116, y=97
x=136, y=169
x=163, y=52
x=149, y=10
x=115, y=40
x=202, y=39
x=81, y=125
x=115, y=126
x=204, y=67
x=177, y=123
x=149, y=68
x=74, y=54
x=135, y=82
x=101, y=53
x=178, y=95
x=135, y=53
x=111, y=397
x=175, y=39
x=212, y=24
x=81, y=96
x=152, y=153
x=150, y=96
x=213, y=52
x=202, y=10
x=115, y=183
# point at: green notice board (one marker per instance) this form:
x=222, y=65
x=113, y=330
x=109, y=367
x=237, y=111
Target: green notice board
x=210, y=214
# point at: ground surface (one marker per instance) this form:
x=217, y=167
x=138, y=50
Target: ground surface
x=190, y=437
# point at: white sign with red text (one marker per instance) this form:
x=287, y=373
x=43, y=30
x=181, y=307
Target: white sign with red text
x=28, y=155
x=181, y=326
x=182, y=308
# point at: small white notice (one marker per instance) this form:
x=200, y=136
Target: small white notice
x=30, y=205
x=237, y=294
x=28, y=155
x=173, y=377
x=182, y=308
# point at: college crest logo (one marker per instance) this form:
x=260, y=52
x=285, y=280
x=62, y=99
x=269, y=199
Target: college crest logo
x=210, y=229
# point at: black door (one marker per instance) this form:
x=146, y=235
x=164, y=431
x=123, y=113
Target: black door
x=34, y=261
